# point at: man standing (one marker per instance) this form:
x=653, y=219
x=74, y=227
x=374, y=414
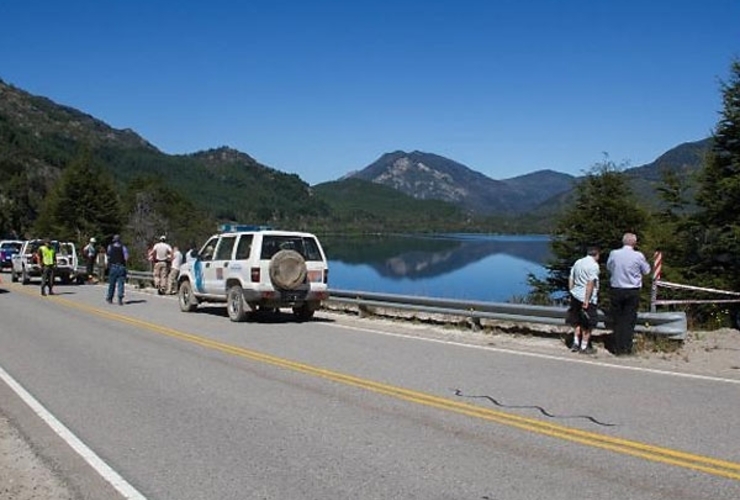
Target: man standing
x=117, y=258
x=90, y=252
x=626, y=266
x=583, y=284
x=162, y=254
x=174, y=270
x=47, y=258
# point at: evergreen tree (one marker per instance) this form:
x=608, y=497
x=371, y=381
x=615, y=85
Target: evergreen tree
x=715, y=245
x=84, y=203
x=601, y=210
x=672, y=223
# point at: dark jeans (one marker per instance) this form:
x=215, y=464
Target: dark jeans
x=624, y=304
x=116, y=277
x=47, y=278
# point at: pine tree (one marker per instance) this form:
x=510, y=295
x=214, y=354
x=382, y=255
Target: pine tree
x=84, y=203
x=601, y=211
x=715, y=244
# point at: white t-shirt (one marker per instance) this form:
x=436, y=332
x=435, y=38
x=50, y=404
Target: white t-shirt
x=584, y=270
x=162, y=251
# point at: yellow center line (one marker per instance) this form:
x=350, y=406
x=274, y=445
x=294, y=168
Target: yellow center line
x=709, y=465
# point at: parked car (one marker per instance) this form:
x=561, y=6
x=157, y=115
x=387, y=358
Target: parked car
x=26, y=264
x=8, y=248
x=256, y=268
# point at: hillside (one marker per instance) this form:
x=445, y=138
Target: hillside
x=414, y=191
x=358, y=204
x=39, y=138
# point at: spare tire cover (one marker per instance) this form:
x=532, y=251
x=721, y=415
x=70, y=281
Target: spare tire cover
x=287, y=269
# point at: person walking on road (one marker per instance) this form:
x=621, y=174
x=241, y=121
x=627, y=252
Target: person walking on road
x=47, y=258
x=117, y=259
x=627, y=267
x=162, y=254
x=583, y=284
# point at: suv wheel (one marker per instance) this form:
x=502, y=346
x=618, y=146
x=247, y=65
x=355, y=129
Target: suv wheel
x=287, y=270
x=185, y=297
x=235, y=305
x=304, y=312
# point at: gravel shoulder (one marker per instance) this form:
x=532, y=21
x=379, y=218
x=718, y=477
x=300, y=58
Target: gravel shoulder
x=24, y=475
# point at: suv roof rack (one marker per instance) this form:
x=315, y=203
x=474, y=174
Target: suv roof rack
x=234, y=228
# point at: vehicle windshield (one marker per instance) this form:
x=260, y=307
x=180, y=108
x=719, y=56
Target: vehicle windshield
x=11, y=245
x=306, y=246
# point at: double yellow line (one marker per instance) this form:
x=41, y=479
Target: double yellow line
x=716, y=467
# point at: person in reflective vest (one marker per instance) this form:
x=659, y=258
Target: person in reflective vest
x=48, y=261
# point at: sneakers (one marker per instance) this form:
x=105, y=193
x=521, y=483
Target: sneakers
x=575, y=348
x=588, y=350
x=110, y=301
x=120, y=301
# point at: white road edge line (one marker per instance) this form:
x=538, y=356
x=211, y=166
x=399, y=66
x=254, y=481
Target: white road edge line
x=544, y=356
x=105, y=471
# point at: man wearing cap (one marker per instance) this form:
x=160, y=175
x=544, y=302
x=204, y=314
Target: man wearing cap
x=90, y=252
x=162, y=253
x=117, y=258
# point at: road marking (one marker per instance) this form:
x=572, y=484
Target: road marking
x=551, y=357
x=709, y=465
x=89, y=456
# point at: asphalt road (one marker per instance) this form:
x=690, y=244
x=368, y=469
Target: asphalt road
x=160, y=404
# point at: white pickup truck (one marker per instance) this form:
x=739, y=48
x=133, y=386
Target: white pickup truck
x=26, y=265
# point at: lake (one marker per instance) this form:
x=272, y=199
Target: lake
x=490, y=268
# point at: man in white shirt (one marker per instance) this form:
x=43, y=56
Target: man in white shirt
x=626, y=266
x=162, y=255
x=583, y=284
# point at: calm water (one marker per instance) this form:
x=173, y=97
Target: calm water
x=492, y=268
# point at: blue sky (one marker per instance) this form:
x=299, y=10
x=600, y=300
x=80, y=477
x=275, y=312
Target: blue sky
x=321, y=88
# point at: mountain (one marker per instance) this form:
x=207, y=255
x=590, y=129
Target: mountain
x=398, y=192
x=38, y=138
x=542, y=193
x=429, y=176
x=360, y=204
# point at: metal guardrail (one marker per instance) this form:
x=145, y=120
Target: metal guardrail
x=670, y=324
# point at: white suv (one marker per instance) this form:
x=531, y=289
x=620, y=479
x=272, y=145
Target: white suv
x=253, y=268
x=25, y=262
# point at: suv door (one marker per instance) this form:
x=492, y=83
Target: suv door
x=214, y=274
x=203, y=264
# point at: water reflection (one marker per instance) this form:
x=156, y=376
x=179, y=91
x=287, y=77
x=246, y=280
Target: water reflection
x=465, y=266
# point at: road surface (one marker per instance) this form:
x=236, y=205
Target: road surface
x=143, y=401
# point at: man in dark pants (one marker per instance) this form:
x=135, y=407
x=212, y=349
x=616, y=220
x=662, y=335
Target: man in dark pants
x=47, y=258
x=117, y=259
x=627, y=266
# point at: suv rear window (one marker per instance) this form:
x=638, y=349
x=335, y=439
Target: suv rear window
x=307, y=247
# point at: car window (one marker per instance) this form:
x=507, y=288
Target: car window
x=307, y=247
x=206, y=253
x=311, y=249
x=244, y=248
x=223, y=252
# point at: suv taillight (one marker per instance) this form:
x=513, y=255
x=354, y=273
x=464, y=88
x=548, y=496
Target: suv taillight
x=255, y=275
